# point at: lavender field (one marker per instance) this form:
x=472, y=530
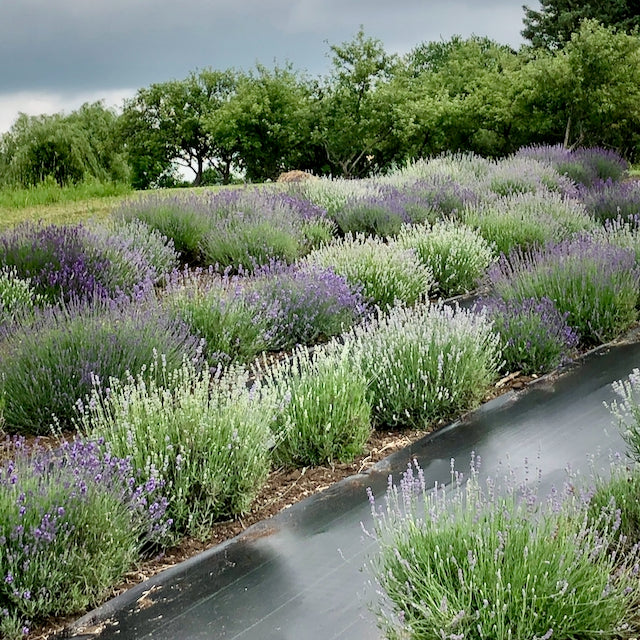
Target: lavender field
x=193, y=341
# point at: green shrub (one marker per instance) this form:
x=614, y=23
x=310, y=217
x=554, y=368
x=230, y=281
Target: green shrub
x=205, y=434
x=73, y=521
x=16, y=296
x=48, y=364
x=471, y=563
x=325, y=414
x=456, y=255
x=425, y=364
x=387, y=272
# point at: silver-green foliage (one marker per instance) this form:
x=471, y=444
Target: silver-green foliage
x=425, y=363
x=387, y=272
x=204, y=434
x=16, y=295
x=483, y=561
x=457, y=255
x=524, y=219
x=324, y=413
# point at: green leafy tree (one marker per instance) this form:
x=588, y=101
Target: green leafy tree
x=264, y=125
x=166, y=124
x=553, y=24
x=347, y=122
x=67, y=149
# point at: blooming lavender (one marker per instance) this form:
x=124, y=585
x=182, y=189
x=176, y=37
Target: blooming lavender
x=74, y=520
x=534, y=335
x=387, y=272
x=71, y=262
x=595, y=282
x=302, y=304
x=425, y=363
x=49, y=363
x=608, y=200
x=482, y=560
x=583, y=165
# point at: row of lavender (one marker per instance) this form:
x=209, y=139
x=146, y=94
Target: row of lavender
x=81, y=307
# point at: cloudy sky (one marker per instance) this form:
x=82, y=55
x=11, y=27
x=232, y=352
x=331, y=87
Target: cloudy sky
x=57, y=54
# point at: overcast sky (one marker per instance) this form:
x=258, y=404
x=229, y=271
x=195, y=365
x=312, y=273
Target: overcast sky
x=57, y=54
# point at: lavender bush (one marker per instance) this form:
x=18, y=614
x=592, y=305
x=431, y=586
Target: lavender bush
x=302, y=304
x=626, y=410
x=205, y=434
x=608, y=200
x=425, y=364
x=17, y=296
x=527, y=219
x=73, y=521
x=596, y=283
x=75, y=263
x=324, y=414
x=49, y=363
x=387, y=272
x=534, y=335
x=183, y=218
x=483, y=561
x=234, y=325
x=456, y=255
x=584, y=166
x=519, y=174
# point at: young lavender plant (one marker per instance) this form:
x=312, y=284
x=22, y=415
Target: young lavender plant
x=456, y=255
x=204, y=433
x=483, y=561
x=387, y=272
x=324, y=414
x=426, y=363
x=595, y=282
x=73, y=520
x=534, y=335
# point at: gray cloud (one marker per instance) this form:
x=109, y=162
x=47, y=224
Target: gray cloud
x=56, y=45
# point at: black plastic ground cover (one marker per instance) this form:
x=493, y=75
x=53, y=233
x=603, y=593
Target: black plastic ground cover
x=300, y=574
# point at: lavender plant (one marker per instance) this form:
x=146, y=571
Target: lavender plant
x=324, y=414
x=609, y=200
x=251, y=228
x=302, y=304
x=183, y=218
x=425, y=364
x=626, y=410
x=583, y=165
x=234, y=325
x=456, y=255
x=527, y=219
x=534, y=335
x=596, y=283
x=75, y=263
x=387, y=272
x=204, y=434
x=49, y=363
x=382, y=214
x=73, y=520
x=16, y=296
x=490, y=562
x=519, y=174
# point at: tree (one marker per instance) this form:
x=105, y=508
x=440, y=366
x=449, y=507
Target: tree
x=345, y=112
x=166, y=124
x=264, y=125
x=551, y=27
x=67, y=149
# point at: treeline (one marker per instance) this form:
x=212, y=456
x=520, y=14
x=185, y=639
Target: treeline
x=372, y=111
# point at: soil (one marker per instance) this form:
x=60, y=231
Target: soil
x=284, y=487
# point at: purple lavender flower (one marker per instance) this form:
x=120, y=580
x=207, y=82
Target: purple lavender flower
x=535, y=336
x=608, y=200
x=302, y=304
x=595, y=282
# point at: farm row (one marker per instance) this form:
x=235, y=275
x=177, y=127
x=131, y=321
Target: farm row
x=196, y=340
